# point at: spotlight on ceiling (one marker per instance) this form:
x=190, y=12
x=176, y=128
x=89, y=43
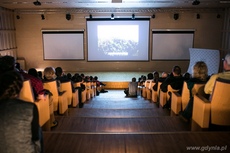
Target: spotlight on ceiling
x=176, y=16
x=218, y=16
x=90, y=16
x=153, y=16
x=43, y=17
x=18, y=17
x=68, y=16
x=133, y=16
x=198, y=16
x=196, y=2
x=112, y=16
x=37, y=3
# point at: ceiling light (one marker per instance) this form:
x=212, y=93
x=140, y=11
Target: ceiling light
x=37, y=3
x=68, y=16
x=43, y=17
x=112, y=16
x=196, y=2
x=133, y=16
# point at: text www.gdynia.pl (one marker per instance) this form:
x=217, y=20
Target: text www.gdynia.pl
x=207, y=148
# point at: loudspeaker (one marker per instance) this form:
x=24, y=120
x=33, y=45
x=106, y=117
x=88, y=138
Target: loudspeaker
x=176, y=16
x=68, y=16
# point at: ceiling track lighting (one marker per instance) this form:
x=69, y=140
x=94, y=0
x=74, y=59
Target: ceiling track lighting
x=90, y=16
x=43, y=17
x=153, y=16
x=198, y=16
x=133, y=16
x=196, y=2
x=18, y=17
x=112, y=16
x=37, y=3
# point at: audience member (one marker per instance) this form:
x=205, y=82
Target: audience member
x=225, y=75
x=33, y=72
x=199, y=76
x=49, y=75
x=132, y=90
x=175, y=80
x=9, y=64
x=19, y=130
x=186, y=76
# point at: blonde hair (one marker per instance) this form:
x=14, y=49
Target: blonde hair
x=49, y=73
x=200, y=71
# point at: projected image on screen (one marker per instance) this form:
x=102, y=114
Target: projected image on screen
x=118, y=40
x=117, y=44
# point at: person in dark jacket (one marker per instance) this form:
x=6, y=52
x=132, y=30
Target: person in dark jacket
x=19, y=130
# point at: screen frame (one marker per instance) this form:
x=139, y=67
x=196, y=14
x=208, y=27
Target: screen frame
x=120, y=19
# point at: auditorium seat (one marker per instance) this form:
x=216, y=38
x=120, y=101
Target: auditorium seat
x=155, y=94
x=164, y=96
x=43, y=105
x=59, y=98
x=180, y=101
x=215, y=111
x=72, y=97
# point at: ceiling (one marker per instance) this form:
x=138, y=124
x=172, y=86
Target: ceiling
x=100, y=4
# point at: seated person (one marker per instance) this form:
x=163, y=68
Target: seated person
x=175, y=80
x=132, y=90
x=199, y=75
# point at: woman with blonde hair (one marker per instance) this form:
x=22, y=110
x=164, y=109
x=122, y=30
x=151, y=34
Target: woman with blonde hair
x=199, y=76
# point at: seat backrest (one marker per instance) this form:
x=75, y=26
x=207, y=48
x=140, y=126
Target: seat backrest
x=147, y=82
x=26, y=92
x=220, y=102
x=185, y=95
x=66, y=86
x=52, y=87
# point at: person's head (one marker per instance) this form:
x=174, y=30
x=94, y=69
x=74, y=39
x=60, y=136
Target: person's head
x=10, y=85
x=134, y=79
x=7, y=63
x=150, y=76
x=33, y=72
x=200, y=71
x=49, y=73
x=186, y=76
x=40, y=74
x=59, y=71
x=164, y=75
x=176, y=71
x=69, y=75
x=226, y=62
x=156, y=75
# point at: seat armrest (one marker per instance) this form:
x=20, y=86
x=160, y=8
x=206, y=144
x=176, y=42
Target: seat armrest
x=176, y=102
x=43, y=110
x=201, y=111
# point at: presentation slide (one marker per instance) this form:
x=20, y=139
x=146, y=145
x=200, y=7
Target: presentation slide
x=118, y=40
x=63, y=45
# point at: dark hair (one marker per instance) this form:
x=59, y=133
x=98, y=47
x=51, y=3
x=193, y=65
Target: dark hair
x=150, y=76
x=177, y=70
x=58, y=71
x=7, y=63
x=33, y=72
x=10, y=85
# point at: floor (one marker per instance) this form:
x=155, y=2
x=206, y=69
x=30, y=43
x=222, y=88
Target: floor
x=111, y=123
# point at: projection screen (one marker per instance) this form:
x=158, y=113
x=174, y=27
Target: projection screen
x=118, y=40
x=63, y=45
x=171, y=44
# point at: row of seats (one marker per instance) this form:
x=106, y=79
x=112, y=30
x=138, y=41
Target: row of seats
x=57, y=101
x=205, y=111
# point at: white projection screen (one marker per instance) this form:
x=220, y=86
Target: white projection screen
x=118, y=39
x=63, y=45
x=171, y=44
